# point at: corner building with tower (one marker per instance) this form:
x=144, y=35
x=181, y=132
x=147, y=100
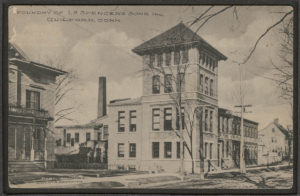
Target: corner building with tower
x=143, y=132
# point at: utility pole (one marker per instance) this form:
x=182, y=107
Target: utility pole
x=243, y=107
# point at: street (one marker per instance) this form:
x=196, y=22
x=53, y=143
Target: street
x=255, y=178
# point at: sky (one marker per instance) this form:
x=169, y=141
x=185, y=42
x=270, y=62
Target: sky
x=102, y=47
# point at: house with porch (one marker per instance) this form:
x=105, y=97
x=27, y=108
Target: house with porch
x=31, y=95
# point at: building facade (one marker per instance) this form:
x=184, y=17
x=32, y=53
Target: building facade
x=91, y=138
x=274, y=143
x=31, y=95
x=229, y=131
x=153, y=144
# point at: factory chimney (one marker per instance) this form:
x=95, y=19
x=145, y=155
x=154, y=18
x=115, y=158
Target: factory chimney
x=101, y=97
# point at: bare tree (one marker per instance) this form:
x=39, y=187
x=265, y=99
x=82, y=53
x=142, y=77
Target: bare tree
x=64, y=87
x=284, y=72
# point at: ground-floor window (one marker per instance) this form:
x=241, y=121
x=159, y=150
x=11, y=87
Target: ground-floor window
x=168, y=149
x=205, y=150
x=121, y=150
x=155, y=149
x=178, y=150
x=132, y=150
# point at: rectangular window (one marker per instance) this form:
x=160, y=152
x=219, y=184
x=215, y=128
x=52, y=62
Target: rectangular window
x=201, y=58
x=168, y=58
x=132, y=150
x=168, y=149
x=72, y=142
x=220, y=124
x=121, y=121
x=155, y=149
x=32, y=99
x=206, y=85
x=201, y=83
x=223, y=150
x=121, y=150
x=176, y=57
x=206, y=120
x=152, y=59
x=211, y=121
x=167, y=119
x=159, y=60
x=178, y=150
x=180, y=82
x=58, y=142
x=211, y=88
x=105, y=132
x=99, y=136
x=88, y=136
x=182, y=118
x=156, y=84
x=168, y=83
x=205, y=150
x=185, y=56
x=210, y=150
x=68, y=137
x=76, y=137
x=227, y=148
x=132, y=121
x=155, y=119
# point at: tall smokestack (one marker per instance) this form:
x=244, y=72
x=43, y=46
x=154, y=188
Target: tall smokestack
x=102, y=97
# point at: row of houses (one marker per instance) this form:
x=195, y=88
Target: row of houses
x=142, y=133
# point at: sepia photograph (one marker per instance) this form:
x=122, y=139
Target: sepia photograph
x=181, y=97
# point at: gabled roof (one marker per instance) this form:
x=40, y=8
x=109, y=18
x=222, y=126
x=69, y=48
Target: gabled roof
x=17, y=55
x=177, y=35
x=282, y=129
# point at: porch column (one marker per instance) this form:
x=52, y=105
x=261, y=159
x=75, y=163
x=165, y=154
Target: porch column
x=32, y=150
x=24, y=140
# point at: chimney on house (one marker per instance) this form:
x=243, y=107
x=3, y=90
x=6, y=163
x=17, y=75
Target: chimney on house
x=102, y=97
x=276, y=120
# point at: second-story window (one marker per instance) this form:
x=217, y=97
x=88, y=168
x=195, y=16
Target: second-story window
x=76, y=137
x=88, y=136
x=211, y=121
x=182, y=118
x=32, y=99
x=156, y=84
x=155, y=119
x=185, y=56
x=176, y=57
x=167, y=119
x=168, y=83
x=105, y=132
x=180, y=82
x=201, y=83
x=121, y=121
x=152, y=59
x=206, y=85
x=211, y=87
x=68, y=137
x=159, y=60
x=206, y=120
x=132, y=121
x=168, y=58
x=99, y=136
